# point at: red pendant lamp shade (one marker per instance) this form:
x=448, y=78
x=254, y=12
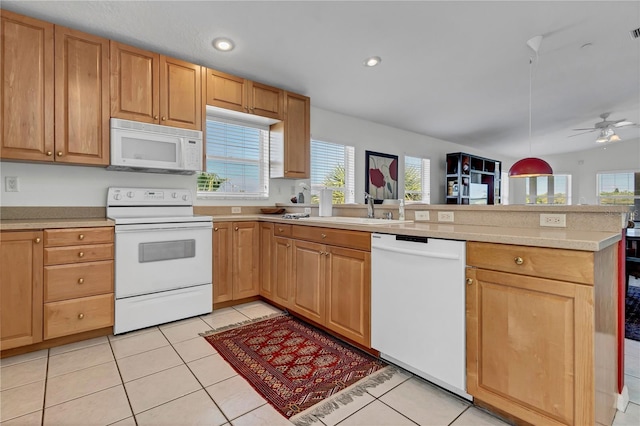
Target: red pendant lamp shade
x=530, y=166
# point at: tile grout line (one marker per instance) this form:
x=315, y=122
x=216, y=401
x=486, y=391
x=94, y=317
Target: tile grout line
x=124, y=388
x=44, y=393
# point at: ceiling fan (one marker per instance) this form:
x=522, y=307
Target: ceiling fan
x=606, y=128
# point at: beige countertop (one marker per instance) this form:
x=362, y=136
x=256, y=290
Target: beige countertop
x=536, y=237
x=34, y=224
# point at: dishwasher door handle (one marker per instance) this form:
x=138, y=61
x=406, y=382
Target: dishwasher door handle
x=418, y=253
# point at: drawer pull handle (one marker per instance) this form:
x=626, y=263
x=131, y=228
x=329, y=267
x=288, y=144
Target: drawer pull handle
x=81, y=254
x=80, y=280
x=155, y=117
x=237, y=228
x=59, y=153
x=469, y=281
x=323, y=235
x=37, y=240
x=215, y=229
x=81, y=236
x=49, y=153
x=80, y=316
x=279, y=229
x=518, y=260
x=288, y=245
x=164, y=118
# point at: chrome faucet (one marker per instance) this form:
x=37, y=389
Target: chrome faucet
x=368, y=199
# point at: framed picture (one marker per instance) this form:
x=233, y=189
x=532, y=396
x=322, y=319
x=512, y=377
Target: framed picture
x=381, y=181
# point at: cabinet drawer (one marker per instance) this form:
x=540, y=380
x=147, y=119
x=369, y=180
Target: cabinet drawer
x=280, y=230
x=77, y=280
x=74, y=254
x=78, y=315
x=336, y=237
x=567, y=265
x=77, y=236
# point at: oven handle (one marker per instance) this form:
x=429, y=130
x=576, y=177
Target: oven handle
x=151, y=227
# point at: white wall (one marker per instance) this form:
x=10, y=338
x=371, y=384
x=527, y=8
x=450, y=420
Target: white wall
x=63, y=185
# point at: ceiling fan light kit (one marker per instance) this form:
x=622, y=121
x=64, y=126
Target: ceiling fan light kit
x=531, y=166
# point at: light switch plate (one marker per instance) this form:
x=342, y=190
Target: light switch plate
x=422, y=215
x=11, y=184
x=307, y=210
x=445, y=216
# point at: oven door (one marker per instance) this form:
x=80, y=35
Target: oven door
x=151, y=258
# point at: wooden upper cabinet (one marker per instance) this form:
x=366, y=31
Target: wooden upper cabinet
x=81, y=97
x=135, y=83
x=20, y=289
x=238, y=94
x=26, y=63
x=225, y=91
x=154, y=88
x=266, y=101
x=290, y=151
x=180, y=94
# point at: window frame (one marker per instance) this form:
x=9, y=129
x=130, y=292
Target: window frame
x=262, y=162
x=636, y=191
x=349, y=173
x=532, y=183
x=425, y=191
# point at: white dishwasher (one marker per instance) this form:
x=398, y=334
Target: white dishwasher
x=418, y=307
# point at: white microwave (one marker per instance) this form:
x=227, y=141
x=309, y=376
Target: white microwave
x=153, y=148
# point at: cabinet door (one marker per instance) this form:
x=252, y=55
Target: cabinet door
x=82, y=97
x=135, y=84
x=307, y=295
x=246, y=259
x=282, y=270
x=530, y=345
x=26, y=63
x=290, y=140
x=222, y=262
x=226, y=91
x=348, y=294
x=180, y=94
x=265, y=100
x=20, y=289
x=266, y=244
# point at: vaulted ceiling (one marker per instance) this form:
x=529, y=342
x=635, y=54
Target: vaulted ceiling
x=454, y=70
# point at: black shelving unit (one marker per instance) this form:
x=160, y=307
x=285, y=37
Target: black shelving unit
x=468, y=175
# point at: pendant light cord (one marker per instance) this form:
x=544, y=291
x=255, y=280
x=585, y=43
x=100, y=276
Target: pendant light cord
x=530, y=79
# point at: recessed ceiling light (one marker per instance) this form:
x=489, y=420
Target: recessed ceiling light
x=223, y=44
x=372, y=61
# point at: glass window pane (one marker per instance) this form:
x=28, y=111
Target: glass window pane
x=332, y=167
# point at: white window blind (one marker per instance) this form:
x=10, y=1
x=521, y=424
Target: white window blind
x=332, y=167
x=236, y=160
x=417, y=179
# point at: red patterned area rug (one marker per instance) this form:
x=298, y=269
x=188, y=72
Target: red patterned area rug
x=294, y=365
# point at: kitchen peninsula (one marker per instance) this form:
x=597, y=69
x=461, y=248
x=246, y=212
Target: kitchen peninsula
x=566, y=276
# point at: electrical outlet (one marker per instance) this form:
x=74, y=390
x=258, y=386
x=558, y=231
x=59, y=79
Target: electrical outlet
x=307, y=210
x=445, y=216
x=422, y=214
x=11, y=184
x=556, y=220
x=236, y=210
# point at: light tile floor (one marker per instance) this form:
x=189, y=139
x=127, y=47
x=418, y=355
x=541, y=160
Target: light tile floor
x=169, y=375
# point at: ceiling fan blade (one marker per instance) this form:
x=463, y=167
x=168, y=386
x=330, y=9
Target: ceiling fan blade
x=591, y=129
x=620, y=124
x=583, y=133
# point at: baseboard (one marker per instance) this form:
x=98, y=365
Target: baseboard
x=623, y=399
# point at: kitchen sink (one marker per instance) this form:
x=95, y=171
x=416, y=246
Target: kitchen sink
x=353, y=220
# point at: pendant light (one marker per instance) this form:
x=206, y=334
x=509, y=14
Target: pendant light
x=531, y=166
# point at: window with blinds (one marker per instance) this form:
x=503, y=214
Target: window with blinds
x=332, y=167
x=237, y=160
x=417, y=179
x=621, y=187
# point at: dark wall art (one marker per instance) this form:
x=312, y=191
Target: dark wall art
x=381, y=181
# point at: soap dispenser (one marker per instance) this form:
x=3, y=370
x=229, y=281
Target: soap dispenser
x=401, y=209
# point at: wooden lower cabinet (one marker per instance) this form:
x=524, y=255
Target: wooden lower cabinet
x=266, y=243
x=532, y=347
x=21, y=287
x=236, y=260
x=308, y=280
x=348, y=293
x=325, y=283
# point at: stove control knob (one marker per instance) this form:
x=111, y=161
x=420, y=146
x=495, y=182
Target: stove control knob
x=185, y=197
x=117, y=196
x=174, y=195
x=130, y=194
